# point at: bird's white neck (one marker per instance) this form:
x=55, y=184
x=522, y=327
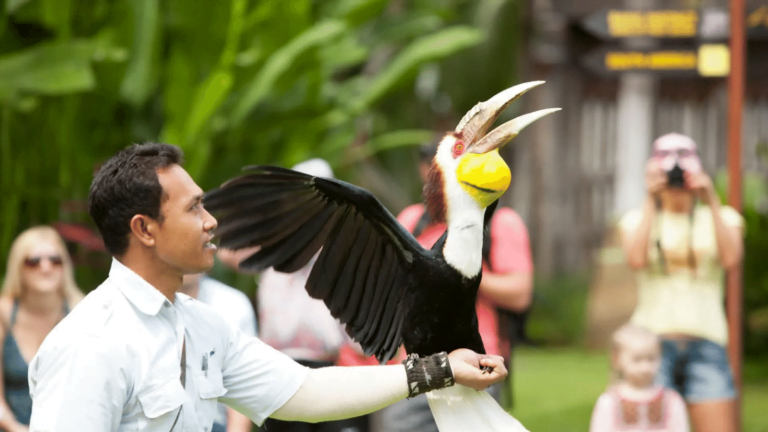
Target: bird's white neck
x=463, y=249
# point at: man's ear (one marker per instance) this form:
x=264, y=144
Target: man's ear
x=144, y=229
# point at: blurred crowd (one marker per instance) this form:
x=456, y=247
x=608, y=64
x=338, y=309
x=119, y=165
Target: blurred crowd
x=670, y=370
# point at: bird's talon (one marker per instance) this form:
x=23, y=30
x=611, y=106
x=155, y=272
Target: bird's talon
x=486, y=369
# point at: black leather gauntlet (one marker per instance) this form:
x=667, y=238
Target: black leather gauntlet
x=427, y=373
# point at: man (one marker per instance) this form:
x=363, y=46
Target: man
x=507, y=283
x=135, y=355
x=236, y=309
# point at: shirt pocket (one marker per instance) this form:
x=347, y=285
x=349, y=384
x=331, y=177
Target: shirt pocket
x=161, y=397
x=210, y=387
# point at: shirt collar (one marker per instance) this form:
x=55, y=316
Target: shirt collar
x=139, y=292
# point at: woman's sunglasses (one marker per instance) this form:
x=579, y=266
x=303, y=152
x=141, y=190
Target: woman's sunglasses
x=680, y=153
x=33, y=262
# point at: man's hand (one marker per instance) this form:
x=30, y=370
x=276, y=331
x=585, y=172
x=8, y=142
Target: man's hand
x=466, y=368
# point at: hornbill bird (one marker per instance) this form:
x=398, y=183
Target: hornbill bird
x=371, y=272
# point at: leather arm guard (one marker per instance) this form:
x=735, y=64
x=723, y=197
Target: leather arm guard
x=428, y=373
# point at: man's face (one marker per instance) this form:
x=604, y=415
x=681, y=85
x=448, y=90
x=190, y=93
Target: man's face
x=183, y=238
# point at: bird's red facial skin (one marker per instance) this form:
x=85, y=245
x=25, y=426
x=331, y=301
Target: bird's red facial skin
x=458, y=148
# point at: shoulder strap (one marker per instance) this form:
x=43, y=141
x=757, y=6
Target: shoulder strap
x=691, y=255
x=422, y=224
x=14, y=311
x=490, y=212
x=487, y=246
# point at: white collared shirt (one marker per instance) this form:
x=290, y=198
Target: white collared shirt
x=113, y=364
x=235, y=308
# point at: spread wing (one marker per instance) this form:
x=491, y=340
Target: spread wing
x=364, y=267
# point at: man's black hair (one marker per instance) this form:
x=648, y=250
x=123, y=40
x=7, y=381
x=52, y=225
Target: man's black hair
x=127, y=185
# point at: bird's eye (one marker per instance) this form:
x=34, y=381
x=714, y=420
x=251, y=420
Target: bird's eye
x=458, y=148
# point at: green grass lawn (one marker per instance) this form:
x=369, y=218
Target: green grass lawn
x=555, y=390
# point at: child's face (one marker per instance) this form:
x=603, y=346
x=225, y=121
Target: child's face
x=639, y=361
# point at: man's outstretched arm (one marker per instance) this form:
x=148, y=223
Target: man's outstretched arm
x=335, y=393
x=261, y=382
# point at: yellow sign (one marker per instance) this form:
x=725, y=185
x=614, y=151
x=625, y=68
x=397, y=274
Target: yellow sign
x=710, y=60
x=663, y=23
x=758, y=18
x=714, y=60
x=656, y=60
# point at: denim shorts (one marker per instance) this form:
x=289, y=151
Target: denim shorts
x=697, y=368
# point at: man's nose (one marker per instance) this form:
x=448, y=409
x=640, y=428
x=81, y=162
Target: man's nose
x=210, y=223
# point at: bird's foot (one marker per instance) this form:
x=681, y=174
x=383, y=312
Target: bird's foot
x=486, y=369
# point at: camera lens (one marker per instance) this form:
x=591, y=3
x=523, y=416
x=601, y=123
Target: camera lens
x=675, y=177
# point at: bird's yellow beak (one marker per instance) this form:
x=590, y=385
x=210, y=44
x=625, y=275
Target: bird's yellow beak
x=485, y=177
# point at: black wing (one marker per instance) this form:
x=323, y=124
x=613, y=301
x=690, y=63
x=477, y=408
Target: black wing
x=364, y=267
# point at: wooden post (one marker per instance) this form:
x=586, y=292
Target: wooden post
x=735, y=296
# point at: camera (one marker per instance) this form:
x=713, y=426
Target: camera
x=675, y=178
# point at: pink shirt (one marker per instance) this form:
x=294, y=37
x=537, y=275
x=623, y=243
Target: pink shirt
x=663, y=411
x=510, y=253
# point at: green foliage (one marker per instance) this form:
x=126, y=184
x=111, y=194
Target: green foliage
x=46, y=69
x=281, y=61
x=755, y=277
x=558, y=313
x=429, y=48
x=233, y=83
x=141, y=73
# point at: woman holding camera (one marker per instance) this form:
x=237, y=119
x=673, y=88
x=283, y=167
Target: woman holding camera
x=681, y=242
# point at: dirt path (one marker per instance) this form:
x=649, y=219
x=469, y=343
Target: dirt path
x=612, y=294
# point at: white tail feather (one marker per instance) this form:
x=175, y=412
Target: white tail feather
x=462, y=409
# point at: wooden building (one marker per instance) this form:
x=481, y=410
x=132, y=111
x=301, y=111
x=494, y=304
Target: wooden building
x=567, y=167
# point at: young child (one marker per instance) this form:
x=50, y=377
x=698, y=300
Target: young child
x=634, y=403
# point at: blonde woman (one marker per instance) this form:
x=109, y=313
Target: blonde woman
x=38, y=291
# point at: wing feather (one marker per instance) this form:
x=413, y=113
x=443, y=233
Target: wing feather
x=363, y=269
x=361, y=275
